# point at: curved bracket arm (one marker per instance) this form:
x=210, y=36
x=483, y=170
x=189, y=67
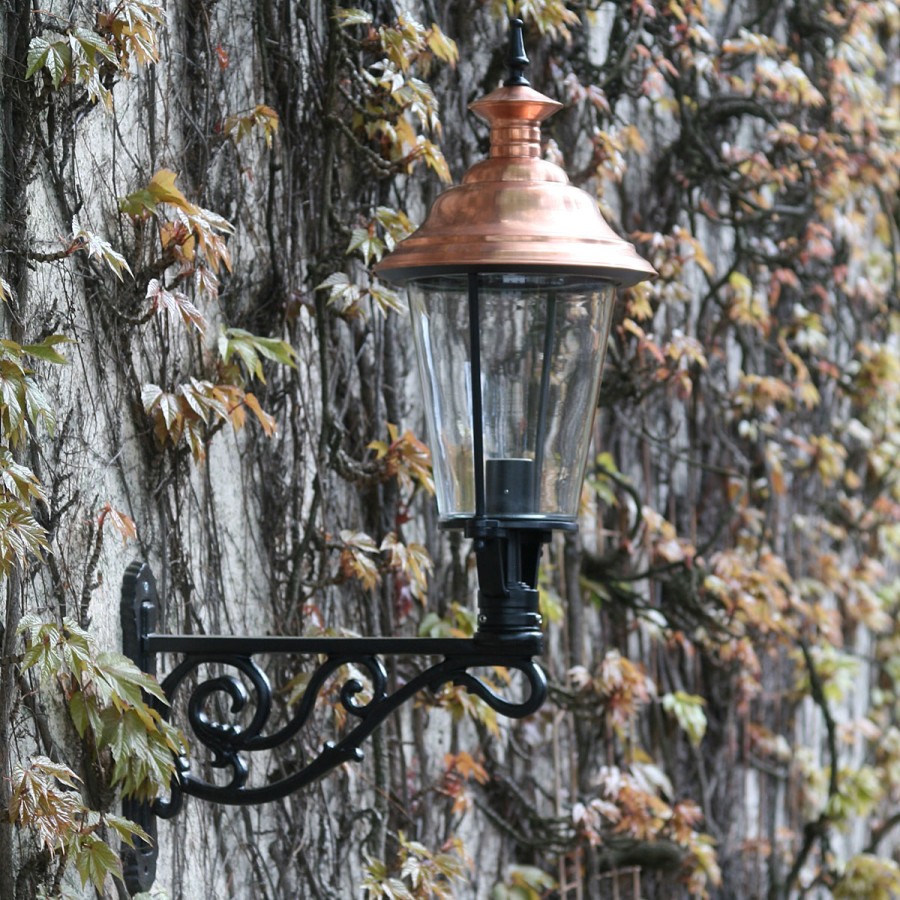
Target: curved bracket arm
x=247, y=690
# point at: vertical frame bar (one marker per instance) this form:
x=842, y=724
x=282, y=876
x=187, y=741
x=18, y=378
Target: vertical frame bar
x=477, y=413
x=544, y=401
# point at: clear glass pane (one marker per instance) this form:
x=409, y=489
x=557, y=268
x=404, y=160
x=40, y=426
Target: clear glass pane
x=543, y=340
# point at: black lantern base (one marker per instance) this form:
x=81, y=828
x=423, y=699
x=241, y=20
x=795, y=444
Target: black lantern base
x=510, y=638
x=508, y=557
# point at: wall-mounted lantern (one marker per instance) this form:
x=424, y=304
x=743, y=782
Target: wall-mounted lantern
x=511, y=282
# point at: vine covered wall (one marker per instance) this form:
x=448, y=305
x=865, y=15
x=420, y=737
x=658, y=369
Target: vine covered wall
x=199, y=368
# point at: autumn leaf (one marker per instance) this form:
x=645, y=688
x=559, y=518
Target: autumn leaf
x=123, y=523
x=442, y=46
x=465, y=764
x=359, y=558
x=175, y=304
x=406, y=457
x=161, y=189
x=241, y=125
x=412, y=560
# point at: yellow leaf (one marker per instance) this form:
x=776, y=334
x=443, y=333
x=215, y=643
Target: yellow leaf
x=740, y=284
x=442, y=46
x=267, y=421
x=162, y=187
x=639, y=303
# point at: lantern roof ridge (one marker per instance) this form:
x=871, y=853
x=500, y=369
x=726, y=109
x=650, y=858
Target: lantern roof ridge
x=519, y=102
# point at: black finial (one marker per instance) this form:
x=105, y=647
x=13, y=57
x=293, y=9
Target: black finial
x=516, y=58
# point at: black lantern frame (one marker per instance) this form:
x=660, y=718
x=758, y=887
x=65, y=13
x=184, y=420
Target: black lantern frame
x=219, y=671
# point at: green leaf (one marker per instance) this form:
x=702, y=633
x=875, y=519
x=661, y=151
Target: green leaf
x=19, y=480
x=56, y=63
x=229, y=346
x=524, y=883
x=342, y=293
x=126, y=829
x=37, y=407
x=93, y=45
x=30, y=623
x=353, y=16
x=127, y=679
x=139, y=204
x=688, y=711
x=38, y=50
x=250, y=347
x=78, y=710
x=44, y=656
x=44, y=350
x=12, y=396
x=336, y=279
x=55, y=56
x=369, y=246
x=277, y=350
x=95, y=861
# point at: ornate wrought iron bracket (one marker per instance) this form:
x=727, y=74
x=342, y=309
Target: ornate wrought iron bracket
x=248, y=694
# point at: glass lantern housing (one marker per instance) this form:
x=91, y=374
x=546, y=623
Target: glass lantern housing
x=510, y=282
x=541, y=343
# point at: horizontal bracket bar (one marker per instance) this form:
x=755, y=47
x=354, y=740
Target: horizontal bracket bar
x=191, y=644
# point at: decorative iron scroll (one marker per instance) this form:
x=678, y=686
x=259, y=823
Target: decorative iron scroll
x=230, y=744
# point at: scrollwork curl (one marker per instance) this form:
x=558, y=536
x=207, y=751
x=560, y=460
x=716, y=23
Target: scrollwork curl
x=353, y=687
x=537, y=682
x=216, y=735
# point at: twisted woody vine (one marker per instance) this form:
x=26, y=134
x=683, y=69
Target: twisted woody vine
x=199, y=367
